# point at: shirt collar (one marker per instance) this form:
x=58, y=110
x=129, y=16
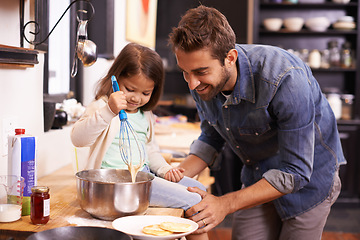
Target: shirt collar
x=245, y=86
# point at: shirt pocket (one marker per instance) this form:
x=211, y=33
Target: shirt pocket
x=256, y=135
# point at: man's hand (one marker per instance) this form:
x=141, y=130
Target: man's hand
x=209, y=212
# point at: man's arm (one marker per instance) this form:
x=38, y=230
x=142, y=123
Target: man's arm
x=213, y=209
x=193, y=165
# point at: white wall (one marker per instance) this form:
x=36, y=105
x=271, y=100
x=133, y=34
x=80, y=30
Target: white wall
x=99, y=69
x=21, y=91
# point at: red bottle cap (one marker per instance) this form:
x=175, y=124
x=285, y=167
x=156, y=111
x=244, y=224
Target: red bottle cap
x=19, y=131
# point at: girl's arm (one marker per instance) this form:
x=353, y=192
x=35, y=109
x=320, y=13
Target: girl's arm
x=93, y=122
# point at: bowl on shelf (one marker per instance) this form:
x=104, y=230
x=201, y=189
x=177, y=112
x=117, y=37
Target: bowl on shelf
x=311, y=1
x=344, y=23
x=273, y=24
x=317, y=24
x=341, y=1
x=293, y=24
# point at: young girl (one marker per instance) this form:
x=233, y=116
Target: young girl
x=140, y=75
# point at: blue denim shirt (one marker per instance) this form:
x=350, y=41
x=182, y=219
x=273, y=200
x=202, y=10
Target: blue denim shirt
x=279, y=124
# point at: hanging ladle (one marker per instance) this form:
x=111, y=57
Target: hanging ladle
x=85, y=49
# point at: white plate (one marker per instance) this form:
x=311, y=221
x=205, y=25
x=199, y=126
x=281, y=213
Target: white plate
x=133, y=226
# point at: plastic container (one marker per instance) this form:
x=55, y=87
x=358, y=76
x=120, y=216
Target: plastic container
x=11, y=196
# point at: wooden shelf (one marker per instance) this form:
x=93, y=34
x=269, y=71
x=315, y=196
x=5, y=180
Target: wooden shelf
x=17, y=57
x=328, y=32
x=325, y=5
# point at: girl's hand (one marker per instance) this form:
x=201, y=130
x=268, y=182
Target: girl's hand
x=117, y=102
x=174, y=175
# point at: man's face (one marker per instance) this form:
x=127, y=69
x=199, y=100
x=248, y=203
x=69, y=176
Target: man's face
x=203, y=73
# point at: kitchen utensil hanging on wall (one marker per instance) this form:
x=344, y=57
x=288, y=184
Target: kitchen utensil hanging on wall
x=85, y=49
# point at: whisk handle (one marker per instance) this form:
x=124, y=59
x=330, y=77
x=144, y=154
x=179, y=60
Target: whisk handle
x=115, y=86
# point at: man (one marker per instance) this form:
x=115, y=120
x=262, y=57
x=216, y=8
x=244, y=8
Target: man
x=266, y=104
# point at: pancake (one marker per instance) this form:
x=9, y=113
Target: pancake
x=175, y=227
x=155, y=230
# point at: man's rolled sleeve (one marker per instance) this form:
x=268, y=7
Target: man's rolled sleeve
x=282, y=181
x=206, y=152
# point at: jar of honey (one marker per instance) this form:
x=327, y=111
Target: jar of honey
x=40, y=205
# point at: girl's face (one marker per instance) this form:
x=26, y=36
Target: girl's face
x=138, y=90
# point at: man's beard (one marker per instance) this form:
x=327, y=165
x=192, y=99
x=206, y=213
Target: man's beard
x=225, y=77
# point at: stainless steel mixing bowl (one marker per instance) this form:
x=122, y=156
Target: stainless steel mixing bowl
x=108, y=194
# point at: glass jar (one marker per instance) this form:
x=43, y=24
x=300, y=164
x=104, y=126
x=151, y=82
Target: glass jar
x=304, y=55
x=347, y=105
x=40, y=205
x=335, y=104
x=334, y=53
x=346, y=59
x=325, y=59
x=315, y=59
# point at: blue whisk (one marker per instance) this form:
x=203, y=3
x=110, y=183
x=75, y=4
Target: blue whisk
x=127, y=138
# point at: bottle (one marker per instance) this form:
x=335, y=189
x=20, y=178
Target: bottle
x=334, y=53
x=40, y=205
x=346, y=58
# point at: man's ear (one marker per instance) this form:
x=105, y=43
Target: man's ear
x=231, y=57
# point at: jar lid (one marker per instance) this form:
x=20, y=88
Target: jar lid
x=347, y=96
x=40, y=189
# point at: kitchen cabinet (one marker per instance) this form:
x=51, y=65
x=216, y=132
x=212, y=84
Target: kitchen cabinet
x=349, y=173
x=347, y=80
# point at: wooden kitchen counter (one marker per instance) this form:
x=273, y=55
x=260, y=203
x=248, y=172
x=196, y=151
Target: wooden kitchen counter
x=64, y=208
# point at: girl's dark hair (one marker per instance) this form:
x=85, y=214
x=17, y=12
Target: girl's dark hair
x=203, y=27
x=135, y=59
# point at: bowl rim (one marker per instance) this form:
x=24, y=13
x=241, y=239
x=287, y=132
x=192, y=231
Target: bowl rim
x=77, y=175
